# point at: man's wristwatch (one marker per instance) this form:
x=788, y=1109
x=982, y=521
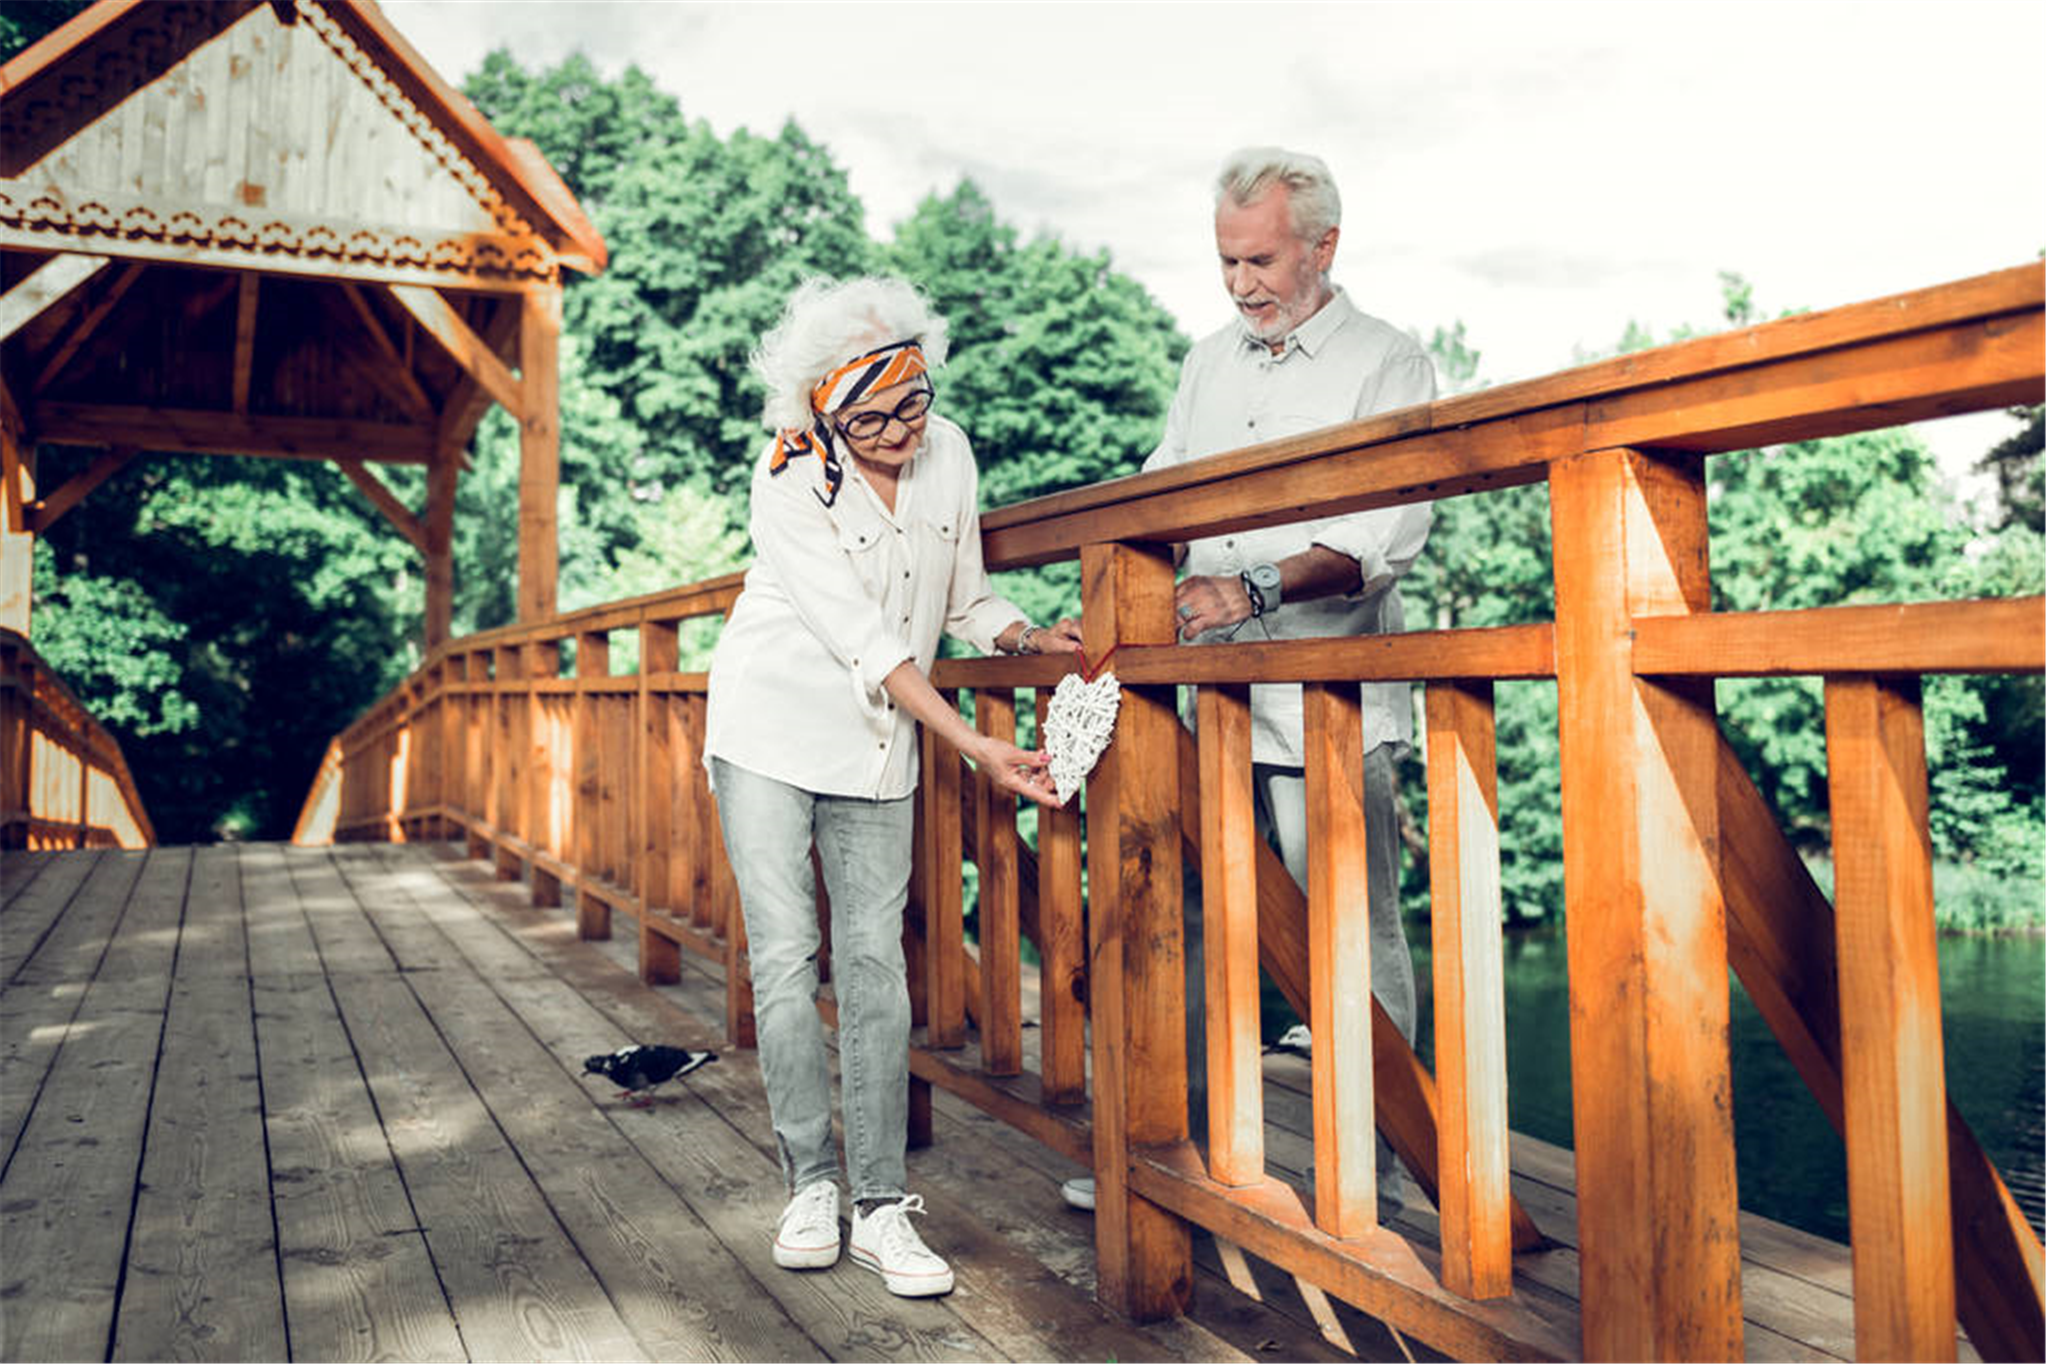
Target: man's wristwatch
x=1261, y=583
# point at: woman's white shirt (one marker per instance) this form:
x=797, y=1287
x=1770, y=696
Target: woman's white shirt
x=836, y=599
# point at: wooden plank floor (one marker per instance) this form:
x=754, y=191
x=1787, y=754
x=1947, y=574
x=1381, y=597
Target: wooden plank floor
x=274, y=1103
x=259, y=1102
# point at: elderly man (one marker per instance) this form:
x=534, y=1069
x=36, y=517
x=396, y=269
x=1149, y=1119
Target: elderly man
x=1299, y=356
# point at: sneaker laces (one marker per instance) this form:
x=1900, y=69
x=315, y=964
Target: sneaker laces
x=812, y=1211
x=898, y=1238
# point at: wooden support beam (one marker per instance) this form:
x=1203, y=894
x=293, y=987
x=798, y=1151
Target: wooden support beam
x=582, y=841
x=86, y=325
x=1651, y=1085
x=390, y=368
x=464, y=407
x=46, y=285
x=441, y=479
x=660, y=780
x=1339, y=957
x=1228, y=860
x=17, y=540
x=43, y=513
x=384, y=500
x=209, y=432
x=1891, y=1053
x=539, y=412
x=1470, y=990
x=251, y=285
x=475, y=355
x=1136, y=928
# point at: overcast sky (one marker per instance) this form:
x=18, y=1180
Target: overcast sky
x=1543, y=172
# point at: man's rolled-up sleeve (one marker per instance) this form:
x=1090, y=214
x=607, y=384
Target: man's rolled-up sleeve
x=796, y=536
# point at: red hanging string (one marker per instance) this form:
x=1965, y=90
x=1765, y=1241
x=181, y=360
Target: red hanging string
x=1087, y=672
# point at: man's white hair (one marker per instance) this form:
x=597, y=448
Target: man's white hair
x=1315, y=207
x=828, y=322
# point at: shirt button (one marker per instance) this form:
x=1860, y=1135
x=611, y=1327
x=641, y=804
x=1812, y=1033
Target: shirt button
x=905, y=575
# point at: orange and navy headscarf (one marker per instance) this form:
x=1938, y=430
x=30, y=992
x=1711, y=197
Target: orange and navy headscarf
x=895, y=363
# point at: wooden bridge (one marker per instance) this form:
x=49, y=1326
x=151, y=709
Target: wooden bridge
x=320, y=1103
x=588, y=782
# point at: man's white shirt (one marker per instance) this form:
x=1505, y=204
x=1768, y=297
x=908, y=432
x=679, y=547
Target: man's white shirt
x=1337, y=366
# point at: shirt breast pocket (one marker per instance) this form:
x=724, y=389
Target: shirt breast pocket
x=865, y=542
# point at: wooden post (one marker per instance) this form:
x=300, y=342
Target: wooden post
x=539, y=447
x=1136, y=926
x=1001, y=962
x=441, y=477
x=543, y=771
x=17, y=743
x=1236, y=1109
x=17, y=541
x=1470, y=991
x=1338, y=961
x=1650, y=1077
x=586, y=752
x=508, y=756
x=944, y=954
x=1891, y=1055
x=658, y=777
x=1061, y=947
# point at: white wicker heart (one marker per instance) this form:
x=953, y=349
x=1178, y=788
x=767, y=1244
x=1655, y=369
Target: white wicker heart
x=1078, y=724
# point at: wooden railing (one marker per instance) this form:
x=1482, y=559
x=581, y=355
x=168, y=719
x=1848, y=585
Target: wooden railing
x=63, y=781
x=1674, y=869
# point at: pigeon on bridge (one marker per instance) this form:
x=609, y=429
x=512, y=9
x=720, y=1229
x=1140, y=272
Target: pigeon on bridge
x=638, y=1068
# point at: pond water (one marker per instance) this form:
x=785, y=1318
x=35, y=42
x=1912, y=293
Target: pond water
x=1792, y=1166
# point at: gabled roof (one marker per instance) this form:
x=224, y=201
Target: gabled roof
x=112, y=50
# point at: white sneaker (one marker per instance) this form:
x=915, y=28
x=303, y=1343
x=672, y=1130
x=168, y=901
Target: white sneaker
x=807, y=1235
x=1079, y=1193
x=886, y=1243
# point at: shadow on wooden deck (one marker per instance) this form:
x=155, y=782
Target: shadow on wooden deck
x=269, y=1103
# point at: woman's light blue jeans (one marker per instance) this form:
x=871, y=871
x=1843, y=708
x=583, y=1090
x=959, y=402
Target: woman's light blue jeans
x=864, y=849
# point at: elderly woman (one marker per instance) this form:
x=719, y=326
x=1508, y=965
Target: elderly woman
x=867, y=534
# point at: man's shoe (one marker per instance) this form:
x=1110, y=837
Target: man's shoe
x=1079, y=1193
x=885, y=1242
x=807, y=1235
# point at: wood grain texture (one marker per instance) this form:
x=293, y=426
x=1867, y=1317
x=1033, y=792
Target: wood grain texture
x=2006, y=635
x=1061, y=945
x=1339, y=959
x=1474, y=1194
x=1136, y=973
x=1001, y=932
x=1650, y=1081
x=944, y=931
x=203, y=1247
x=44, y=287
x=1236, y=1115
x=538, y=408
x=1891, y=1056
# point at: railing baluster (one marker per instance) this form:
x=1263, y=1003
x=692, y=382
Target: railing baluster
x=1061, y=947
x=1470, y=991
x=1339, y=962
x=700, y=835
x=944, y=950
x=1001, y=962
x=658, y=777
x=1236, y=1109
x=1892, y=1067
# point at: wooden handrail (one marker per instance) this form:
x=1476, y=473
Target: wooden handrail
x=64, y=782
x=1673, y=871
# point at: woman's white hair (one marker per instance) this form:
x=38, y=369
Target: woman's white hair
x=1315, y=206
x=828, y=322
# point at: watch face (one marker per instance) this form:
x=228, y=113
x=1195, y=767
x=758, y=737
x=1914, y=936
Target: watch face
x=1266, y=576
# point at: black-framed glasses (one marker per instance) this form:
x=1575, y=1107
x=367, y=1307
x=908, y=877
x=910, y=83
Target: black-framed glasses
x=867, y=425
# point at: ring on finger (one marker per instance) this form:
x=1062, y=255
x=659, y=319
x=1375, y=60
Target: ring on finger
x=1186, y=613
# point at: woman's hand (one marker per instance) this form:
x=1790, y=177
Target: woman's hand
x=1018, y=771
